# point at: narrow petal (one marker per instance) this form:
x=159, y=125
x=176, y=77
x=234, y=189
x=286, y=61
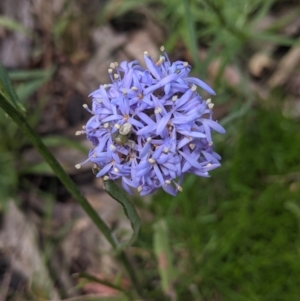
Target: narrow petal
x=104, y=170
x=152, y=67
x=201, y=84
x=214, y=125
x=162, y=123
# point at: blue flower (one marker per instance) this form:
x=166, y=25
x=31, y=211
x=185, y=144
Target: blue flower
x=150, y=126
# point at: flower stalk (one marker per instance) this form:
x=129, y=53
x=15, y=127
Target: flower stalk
x=22, y=123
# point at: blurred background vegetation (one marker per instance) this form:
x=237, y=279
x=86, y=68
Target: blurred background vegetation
x=234, y=236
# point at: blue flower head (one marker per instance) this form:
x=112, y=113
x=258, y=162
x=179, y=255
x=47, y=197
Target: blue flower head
x=150, y=126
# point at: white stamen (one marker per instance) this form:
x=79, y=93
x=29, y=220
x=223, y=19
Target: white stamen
x=105, y=178
x=124, y=91
x=185, y=64
x=116, y=76
x=112, y=147
x=211, y=105
x=194, y=88
x=151, y=160
x=166, y=150
x=79, y=133
x=192, y=145
x=146, y=53
x=110, y=71
x=117, y=126
x=158, y=110
x=178, y=187
x=116, y=64
x=83, y=127
x=208, y=164
x=99, y=100
x=167, y=182
x=78, y=166
x=105, y=86
x=175, y=97
x=160, y=61
x=149, y=139
x=85, y=106
x=162, y=48
x=112, y=66
x=106, y=125
x=208, y=100
x=116, y=169
x=125, y=129
x=210, y=143
x=134, y=88
x=139, y=189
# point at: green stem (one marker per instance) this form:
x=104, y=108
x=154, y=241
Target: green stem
x=192, y=34
x=17, y=117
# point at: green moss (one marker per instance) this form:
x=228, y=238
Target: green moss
x=242, y=238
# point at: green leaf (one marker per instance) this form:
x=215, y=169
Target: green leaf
x=53, y=140
x=275, y=38
x=120, y=196
x=93, y=278
x=38, y=79
x=8, y=92
x=8, y=178
x=41, y=168
x=30, y=74
x=11, y=24
x=164, y=256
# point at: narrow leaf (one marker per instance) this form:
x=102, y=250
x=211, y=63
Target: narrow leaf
x=13, y=25
x=164, y=257
x=8, y=92
x=93, y=278
x=120, y=196
x=26, y=89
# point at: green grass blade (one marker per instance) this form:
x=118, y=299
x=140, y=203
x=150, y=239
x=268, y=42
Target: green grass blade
x=39, y=78
x=8, y=92
x=164, y=256
x=30, y=74
x=192, y=34
x=13, y=25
